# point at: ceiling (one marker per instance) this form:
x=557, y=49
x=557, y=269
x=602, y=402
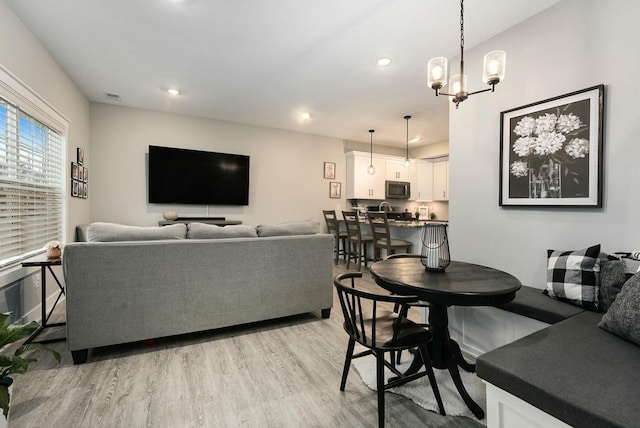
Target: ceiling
x=264, y=62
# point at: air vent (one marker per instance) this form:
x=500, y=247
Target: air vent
x=112, y=97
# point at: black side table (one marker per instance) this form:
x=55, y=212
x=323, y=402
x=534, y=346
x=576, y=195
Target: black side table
x=45, y=264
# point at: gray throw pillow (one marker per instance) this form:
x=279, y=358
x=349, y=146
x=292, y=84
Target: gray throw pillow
x=612, y=278
x=292, y=228
x=623, y=317
x=111, y=232
x=212, y=231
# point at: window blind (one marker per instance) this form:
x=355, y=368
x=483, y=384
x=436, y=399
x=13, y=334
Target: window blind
x=31, y=190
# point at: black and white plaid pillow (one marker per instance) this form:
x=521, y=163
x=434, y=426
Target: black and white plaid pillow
x=574, y=276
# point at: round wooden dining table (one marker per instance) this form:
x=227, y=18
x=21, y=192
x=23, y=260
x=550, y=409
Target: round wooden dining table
x=461, y=284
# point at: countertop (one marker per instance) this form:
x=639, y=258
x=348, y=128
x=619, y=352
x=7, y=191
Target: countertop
x=413, y=223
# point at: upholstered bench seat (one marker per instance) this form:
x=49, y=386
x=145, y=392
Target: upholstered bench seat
x=572, y=370
x=531, y=303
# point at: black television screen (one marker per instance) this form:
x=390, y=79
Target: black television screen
x=184, y=176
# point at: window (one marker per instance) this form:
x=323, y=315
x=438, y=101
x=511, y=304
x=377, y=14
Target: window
x=31, y=186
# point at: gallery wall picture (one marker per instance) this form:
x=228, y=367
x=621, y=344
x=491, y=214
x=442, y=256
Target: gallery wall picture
x=330, y=170
x=79, y=176
x=335, y=190
x=551, y=151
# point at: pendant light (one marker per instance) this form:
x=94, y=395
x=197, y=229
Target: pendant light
x=371, y=170
x=493, y=73
x=407, y=162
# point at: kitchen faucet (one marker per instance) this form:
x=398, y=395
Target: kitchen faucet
x=383, y=203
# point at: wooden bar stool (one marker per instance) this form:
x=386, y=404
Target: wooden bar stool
x=333, y=226
x=357, y=249
x=382, y=237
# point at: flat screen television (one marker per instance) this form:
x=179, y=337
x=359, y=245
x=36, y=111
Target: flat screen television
x=197, y=177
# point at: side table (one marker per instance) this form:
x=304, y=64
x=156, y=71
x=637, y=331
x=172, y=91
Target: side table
x=45, y=264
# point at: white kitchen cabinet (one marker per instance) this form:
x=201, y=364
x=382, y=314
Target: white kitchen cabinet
x=361, y=184
x=423, y=190
x=396, y=170
x=441, y=180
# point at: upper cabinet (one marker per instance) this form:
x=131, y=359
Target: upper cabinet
x=361, y=184
x=441, y=180
x=423, y=190
x=396, y=170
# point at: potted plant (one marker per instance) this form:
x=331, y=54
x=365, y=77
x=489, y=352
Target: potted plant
x=54, y=249
x=18, y=361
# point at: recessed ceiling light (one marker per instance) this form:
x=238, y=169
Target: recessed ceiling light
x=415, y=139
x=173, y=91
x=384, y=61
x=305, y=115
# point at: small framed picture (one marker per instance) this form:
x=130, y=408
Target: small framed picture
x=330, y=170
x=80, y=173
x=74, y=170
x=80, y=156
x=335, y=190
x=74, y=188
x=85, y=176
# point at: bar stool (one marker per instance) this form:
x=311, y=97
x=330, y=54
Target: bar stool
x=382, y=237
x=357, y=250
x=333, y=226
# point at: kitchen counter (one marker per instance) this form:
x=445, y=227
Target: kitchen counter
x=413, y=223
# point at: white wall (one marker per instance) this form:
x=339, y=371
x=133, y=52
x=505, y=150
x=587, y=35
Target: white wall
x=23, y=55
x=574, y=45
x=286, y=173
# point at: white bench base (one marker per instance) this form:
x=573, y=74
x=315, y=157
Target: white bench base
x=479, y=329
x=508, y=411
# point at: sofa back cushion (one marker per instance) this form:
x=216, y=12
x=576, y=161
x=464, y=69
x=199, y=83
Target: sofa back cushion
x=212, y=231
x=307, y=227
x=111, y=232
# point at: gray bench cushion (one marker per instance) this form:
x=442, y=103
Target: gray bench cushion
x=531, y=303
x=572, y=370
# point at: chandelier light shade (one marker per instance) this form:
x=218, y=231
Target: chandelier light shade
x=437, y=71
x=371, y=170
x=407, y=161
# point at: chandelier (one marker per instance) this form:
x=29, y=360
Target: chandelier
x=493, y=73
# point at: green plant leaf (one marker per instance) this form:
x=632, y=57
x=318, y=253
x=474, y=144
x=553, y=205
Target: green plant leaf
x=4, y=400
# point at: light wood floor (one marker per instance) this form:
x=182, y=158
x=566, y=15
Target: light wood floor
x=283, y=373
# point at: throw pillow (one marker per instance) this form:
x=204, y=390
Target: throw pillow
x=111, y=232
x=623, y=317
x=612, y=278
x=292, y=228
x=212, y=231
x=574, y=276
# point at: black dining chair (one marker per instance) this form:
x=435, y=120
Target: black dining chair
x=381, y=331
x=382, y=239
x=339, y=236
x=357, y=248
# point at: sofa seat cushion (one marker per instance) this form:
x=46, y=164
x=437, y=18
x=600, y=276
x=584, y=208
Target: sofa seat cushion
x=212, y=231
x=571, y=370
x=532, y=303
x=291, y=228
x=111, y=232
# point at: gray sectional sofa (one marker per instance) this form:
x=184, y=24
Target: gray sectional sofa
x=129, y=283
x=583, y=370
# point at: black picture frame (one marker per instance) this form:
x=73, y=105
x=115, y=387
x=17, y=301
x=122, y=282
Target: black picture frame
x=74, y=170
x=74, y=188
x=551, y=151
x=80, y=156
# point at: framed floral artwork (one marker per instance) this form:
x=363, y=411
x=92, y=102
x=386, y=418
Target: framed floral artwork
x=330, y=170
x=335, y=190
x=551, y=151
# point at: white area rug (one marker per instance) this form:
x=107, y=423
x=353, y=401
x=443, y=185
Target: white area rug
x=419, y=391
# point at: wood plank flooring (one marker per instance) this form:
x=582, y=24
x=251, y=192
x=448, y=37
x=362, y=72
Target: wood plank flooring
x=283, y=373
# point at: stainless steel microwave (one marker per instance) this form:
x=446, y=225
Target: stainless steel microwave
x=397, y=190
